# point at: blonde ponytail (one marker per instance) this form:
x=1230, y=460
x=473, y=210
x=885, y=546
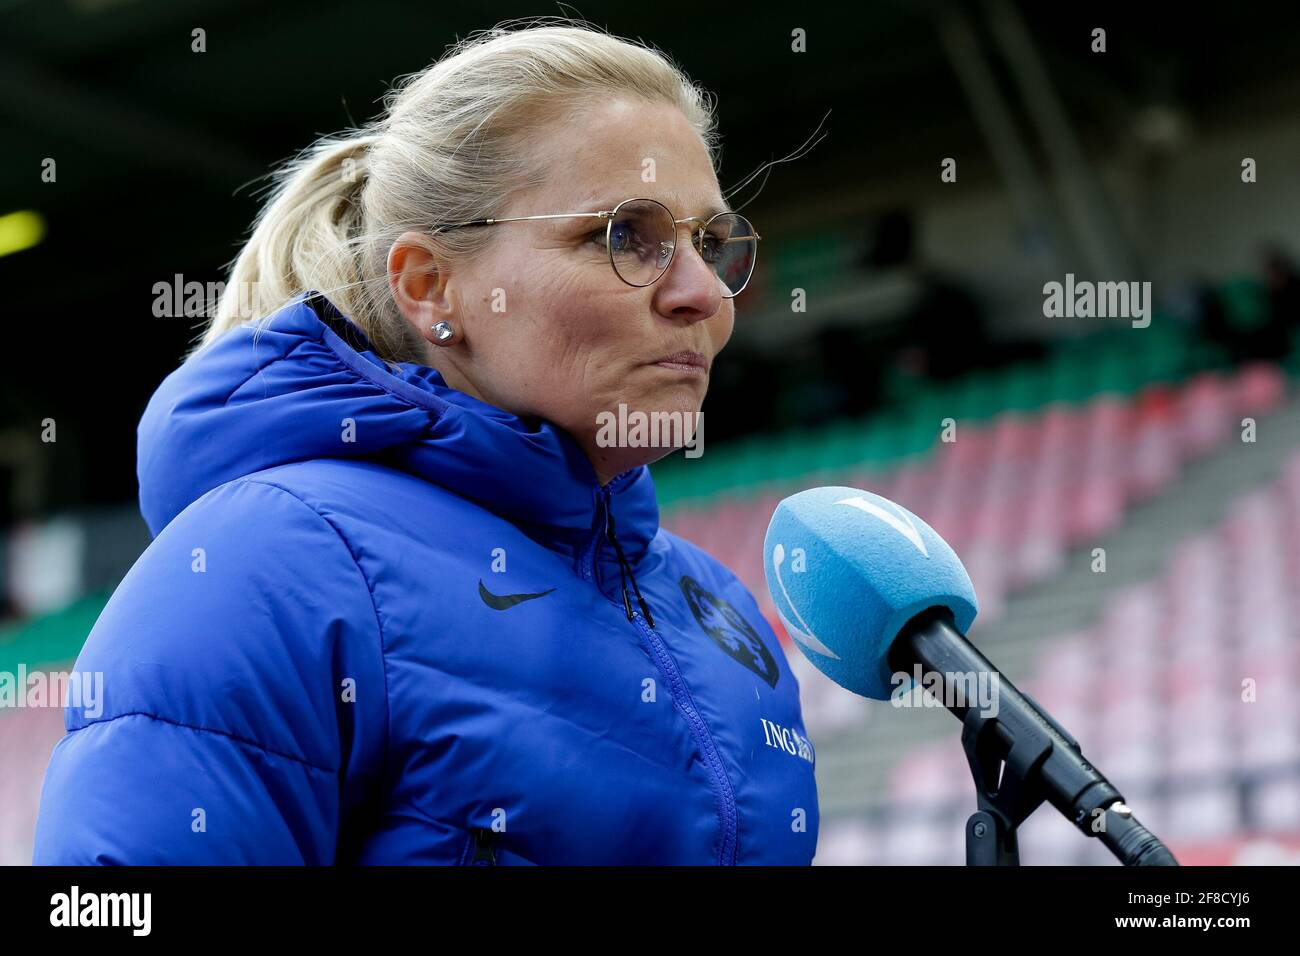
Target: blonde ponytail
x=452, y=145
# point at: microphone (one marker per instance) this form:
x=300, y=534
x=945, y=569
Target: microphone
x=872, y=594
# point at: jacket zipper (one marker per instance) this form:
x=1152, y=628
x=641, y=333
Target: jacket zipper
x=677, y=686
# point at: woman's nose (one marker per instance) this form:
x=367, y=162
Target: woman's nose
x=690, y=289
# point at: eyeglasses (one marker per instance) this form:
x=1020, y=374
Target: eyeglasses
x=641, y=239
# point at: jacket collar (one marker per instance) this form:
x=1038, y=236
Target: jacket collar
x=286, y=389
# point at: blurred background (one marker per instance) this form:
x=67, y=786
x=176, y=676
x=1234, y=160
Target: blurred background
x=893, y=308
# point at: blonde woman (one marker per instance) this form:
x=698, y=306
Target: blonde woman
x=404, y=603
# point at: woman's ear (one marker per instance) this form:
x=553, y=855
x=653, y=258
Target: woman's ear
x=418, y=277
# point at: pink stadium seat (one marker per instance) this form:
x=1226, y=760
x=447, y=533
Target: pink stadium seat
x=1156, y=457
x=1274, y=804
x=1207, y=413
x=1259, y=387
x=848, y=842
x=911, y=843
x=921, y=775
x=27, y=738
x=1203, y=813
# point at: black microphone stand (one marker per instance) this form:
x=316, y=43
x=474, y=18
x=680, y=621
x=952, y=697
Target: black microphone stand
x=1020, y=759
x=1005, y=788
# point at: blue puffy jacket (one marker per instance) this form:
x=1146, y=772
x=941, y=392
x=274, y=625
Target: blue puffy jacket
x=384, y=622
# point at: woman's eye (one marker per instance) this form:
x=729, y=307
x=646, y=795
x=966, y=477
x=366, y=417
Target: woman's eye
x=621, y=237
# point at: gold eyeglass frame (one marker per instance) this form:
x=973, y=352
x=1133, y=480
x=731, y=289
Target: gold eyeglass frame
x=697, y=236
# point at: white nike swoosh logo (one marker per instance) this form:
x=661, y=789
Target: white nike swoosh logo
x=900, y=523
x=804, y=636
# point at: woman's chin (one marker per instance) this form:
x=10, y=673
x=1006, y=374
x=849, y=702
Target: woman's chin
x=646, y=428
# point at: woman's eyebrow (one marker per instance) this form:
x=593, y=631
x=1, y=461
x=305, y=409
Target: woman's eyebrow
x=596, y=205
x=713, y=209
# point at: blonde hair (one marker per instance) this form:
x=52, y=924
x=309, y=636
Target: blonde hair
x=451, y=145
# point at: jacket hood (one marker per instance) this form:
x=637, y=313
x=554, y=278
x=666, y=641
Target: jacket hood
x=307, y=384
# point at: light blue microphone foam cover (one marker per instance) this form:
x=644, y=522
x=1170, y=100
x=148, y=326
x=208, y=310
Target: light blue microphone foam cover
x=847, y=569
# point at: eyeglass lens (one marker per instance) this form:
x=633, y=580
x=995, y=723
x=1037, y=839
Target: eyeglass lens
x=642, y=235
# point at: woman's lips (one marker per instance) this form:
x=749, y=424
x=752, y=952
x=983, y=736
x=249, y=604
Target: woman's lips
x=692, y=363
